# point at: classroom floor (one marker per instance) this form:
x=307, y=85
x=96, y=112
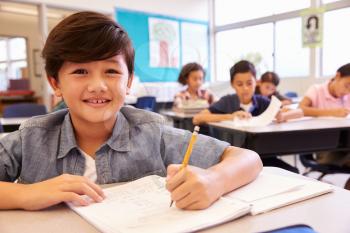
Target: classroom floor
x=336, y=179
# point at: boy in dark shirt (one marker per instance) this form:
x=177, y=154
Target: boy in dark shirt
x=243, y=104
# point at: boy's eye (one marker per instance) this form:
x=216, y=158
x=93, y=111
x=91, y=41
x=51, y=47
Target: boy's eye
x=112, y=71
x=80, y=71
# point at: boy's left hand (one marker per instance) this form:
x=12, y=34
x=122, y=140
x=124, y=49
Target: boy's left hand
x=192, y=188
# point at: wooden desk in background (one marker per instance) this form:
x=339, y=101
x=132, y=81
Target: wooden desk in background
x=301, y=136
x=326, y=213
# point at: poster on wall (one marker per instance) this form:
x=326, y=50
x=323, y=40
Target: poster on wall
x=312, y=27
x=194, y=39
x=164, y=43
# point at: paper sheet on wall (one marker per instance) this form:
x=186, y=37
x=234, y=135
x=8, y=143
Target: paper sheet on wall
x=263, y=119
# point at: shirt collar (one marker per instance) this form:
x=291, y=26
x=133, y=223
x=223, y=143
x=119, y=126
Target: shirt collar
x=67, y=137
x=327, y=94
x=119, y=141
x=199, y=93
x=255, y=104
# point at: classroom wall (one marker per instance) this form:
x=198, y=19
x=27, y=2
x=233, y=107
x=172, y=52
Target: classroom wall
x=299, y=85
x=27, y=26
x=15, y=24
x=191, y=9
x=21, y=25
x=105, y=6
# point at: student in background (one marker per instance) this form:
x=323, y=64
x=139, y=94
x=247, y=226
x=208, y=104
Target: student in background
x=267, y=86
x=58, y=157
x=192, y=75
x=331, y=98
x=244, y=104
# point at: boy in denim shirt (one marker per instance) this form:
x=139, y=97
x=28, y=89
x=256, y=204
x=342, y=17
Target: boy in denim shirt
x=60, y=156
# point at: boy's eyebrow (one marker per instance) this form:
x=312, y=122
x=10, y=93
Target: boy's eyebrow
x=113, y=61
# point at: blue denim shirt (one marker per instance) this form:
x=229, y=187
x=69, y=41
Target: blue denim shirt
x=140, y=145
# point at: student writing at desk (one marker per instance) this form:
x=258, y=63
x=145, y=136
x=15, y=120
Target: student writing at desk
x=59, y=157
x=192, y=75
x=267, y=86
x=331, y=98
x=243, y=104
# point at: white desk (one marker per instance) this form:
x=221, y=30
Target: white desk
x=177, y=115
x=180, y=120
x=13, y=120
x=13, y=123
x=326, y=213
x=301, y=136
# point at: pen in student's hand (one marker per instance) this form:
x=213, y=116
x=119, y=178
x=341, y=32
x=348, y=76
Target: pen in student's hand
x=187, y=156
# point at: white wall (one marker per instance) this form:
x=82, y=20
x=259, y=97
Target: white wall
x=191, y=9
x=106, y=6
x=26, y=26
x=12, y=24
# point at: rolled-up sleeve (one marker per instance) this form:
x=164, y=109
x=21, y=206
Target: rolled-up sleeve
x=206, y=152
x=10, y=157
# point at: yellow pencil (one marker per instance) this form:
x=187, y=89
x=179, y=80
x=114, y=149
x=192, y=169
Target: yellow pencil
x=188, y=151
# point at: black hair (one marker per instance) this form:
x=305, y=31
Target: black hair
x=242, y=66
x=187, y=69
x=84, y=37
x=270, y=77
x=344, y=70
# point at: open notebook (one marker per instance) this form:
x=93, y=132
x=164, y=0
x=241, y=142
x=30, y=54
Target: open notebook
x=143, y=205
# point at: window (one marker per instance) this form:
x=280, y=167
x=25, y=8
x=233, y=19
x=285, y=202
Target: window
x=280, y=44
x=252, y=43
x=291, y=59
x=329, y=1
x=227, y=12
x=336, y=49
x=13, y=59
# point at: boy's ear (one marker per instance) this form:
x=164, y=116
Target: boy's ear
x=128, y=85
x=55, y=86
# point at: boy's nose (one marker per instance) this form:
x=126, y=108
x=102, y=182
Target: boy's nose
x=97, y=84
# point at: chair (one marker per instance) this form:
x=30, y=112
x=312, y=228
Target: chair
x=146, y=102
x=311, y=165
x=291, y=94
x=24, y=110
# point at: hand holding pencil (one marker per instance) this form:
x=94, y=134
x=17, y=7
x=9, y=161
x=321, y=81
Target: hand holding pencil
x=191, y=187
x=187, y=156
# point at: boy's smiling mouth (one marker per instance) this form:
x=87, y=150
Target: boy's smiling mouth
x=96, y=101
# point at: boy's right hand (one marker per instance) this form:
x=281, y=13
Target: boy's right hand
x=241, y=115
x=64, y=188
x=340, y=112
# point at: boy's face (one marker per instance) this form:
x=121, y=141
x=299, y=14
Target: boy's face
x=244, y=84
x=195, y=79
x=267, y=88
x=95, y=91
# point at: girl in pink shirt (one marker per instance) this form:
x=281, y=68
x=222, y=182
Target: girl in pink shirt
x=331, y=98
x=192, y=75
